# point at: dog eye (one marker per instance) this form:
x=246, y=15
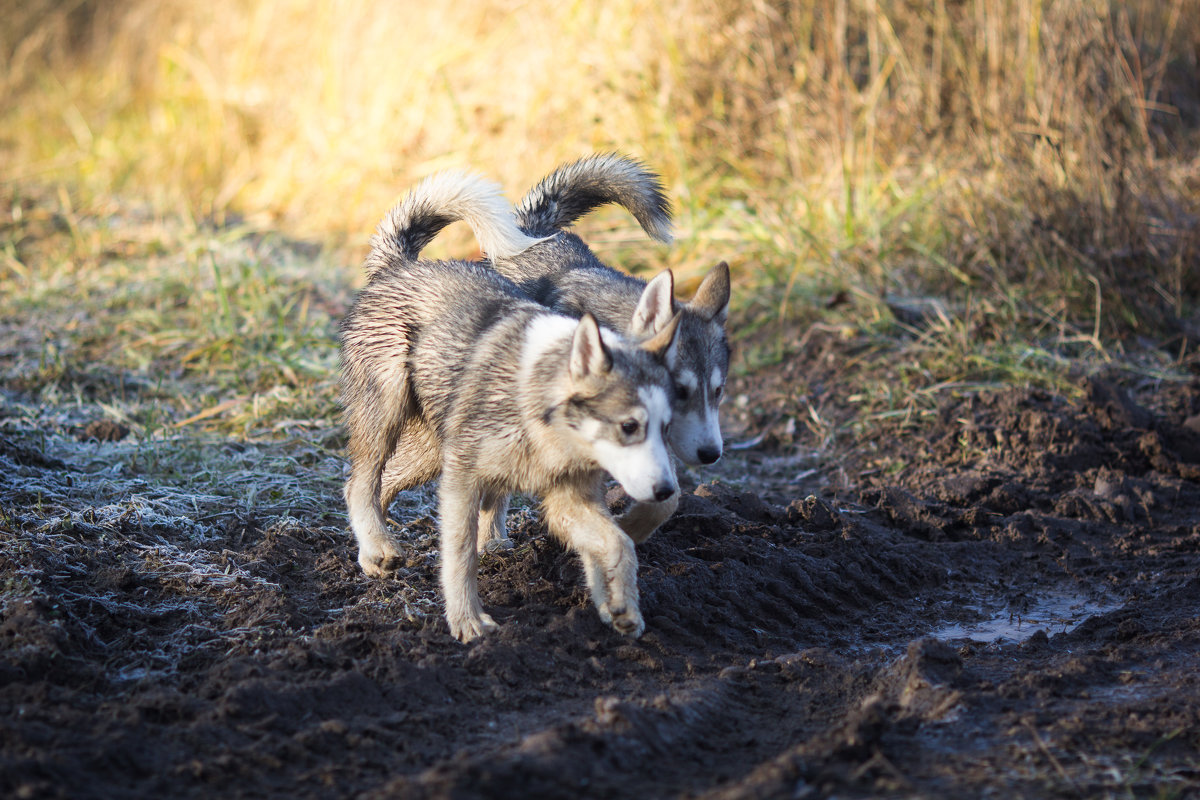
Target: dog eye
x=629, y=427
x=681, y=392
x=717, y=392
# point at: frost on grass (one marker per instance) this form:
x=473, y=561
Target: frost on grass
x=142, y=554
x=206, y=515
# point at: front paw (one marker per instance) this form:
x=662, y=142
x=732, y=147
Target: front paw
x=641, y=520
x=468, y=628
x=496, y=546
x=626, y=620
x=380, y=562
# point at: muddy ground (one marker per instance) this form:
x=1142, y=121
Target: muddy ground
x=1001, y=599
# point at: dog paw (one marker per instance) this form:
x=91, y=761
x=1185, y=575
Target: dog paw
x=641, y=520
x=382, y=565
x=472, y=628
x=626, y=620
x=494, y=546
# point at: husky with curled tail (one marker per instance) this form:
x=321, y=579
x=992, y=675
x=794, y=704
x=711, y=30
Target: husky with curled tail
x=561, y=272
x=448, y=368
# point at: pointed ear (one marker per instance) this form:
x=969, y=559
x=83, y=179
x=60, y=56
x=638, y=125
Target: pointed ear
x=655, y=307
x=662, y=344
x=589, y=356
x=712, y=298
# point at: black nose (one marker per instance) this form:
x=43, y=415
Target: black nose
x=663, y=492
x=708, y=455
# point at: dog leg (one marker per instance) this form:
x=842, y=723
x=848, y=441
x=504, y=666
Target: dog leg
x=609, y=561
x=642, y=519
x=493, y=530
x=620, y=567
x=370, y=443
x=597, y=583
x=459, y=509
x=415, y=460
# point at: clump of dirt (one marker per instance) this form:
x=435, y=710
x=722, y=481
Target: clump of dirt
x=1014, y=610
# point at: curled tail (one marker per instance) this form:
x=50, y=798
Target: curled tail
x=574, y=189
x=438, y=201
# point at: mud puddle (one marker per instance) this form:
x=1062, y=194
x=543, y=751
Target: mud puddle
x=1055, y=611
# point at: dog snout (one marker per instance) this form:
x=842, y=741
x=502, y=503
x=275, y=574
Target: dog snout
x=708, y=455
x=663, y=491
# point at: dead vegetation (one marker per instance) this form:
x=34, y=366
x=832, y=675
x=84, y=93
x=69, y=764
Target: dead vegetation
x=1035, y=155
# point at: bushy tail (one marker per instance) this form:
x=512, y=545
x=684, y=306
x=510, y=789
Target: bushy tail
x=438, y=201
x=574, y=189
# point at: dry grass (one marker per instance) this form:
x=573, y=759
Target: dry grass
x=1028, y=167
x=162, y=322
x=991, y=145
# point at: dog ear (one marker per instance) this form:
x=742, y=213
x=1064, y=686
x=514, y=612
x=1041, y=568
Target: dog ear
x=655, y=307
x=589, y=356
x=662, y=344
x=712, y=298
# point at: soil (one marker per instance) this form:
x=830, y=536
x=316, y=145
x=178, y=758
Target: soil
x=1010, y=608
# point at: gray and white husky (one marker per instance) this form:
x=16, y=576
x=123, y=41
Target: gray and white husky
x=561, y=272
x=448, y=367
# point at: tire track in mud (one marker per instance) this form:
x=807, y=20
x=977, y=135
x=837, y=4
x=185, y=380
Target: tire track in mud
x=666, y=742
x=804, y=719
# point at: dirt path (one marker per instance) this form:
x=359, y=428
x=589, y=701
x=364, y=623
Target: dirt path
x=1012, y=611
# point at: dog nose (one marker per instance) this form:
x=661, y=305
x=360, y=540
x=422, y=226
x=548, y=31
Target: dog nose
x=708, y=455
x=663, y=492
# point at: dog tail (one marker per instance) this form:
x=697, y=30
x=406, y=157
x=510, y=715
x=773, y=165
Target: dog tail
x=574, y=189
x=438, y=201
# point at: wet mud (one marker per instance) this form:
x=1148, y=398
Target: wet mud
x=1011, y=609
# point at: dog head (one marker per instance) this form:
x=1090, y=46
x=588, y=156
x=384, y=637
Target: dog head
x=701, y=361
x=620, y=405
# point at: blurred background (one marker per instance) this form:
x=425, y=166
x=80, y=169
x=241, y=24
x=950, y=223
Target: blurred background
x=873, y=146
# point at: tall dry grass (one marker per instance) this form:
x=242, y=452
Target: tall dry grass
x=1018, y=148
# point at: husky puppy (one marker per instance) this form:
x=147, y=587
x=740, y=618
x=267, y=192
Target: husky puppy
x=562, y=272
x=408, y=228
x=498, y=394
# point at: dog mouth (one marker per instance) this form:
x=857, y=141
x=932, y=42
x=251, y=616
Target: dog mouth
x=696, y=444
x=658, y=493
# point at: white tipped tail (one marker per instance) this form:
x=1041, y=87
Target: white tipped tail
x=436, y=202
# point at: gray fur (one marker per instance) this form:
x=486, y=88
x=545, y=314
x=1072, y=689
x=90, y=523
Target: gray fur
x=574, y=189
x=448, y=368
x=564, y=274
